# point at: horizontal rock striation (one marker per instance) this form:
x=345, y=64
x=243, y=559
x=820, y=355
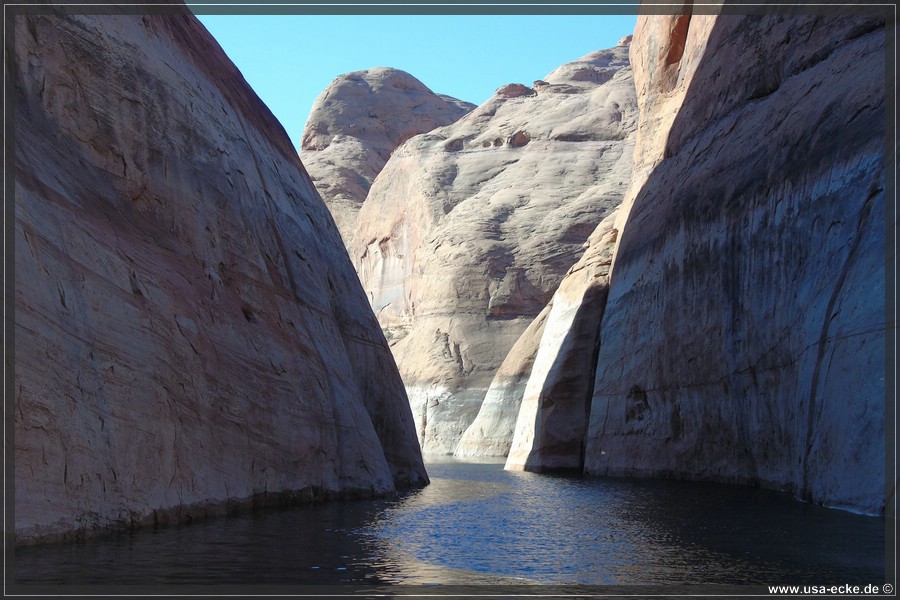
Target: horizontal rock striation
x=469, y=229
x=190, y=336
x=355, y=124
x=743, y=339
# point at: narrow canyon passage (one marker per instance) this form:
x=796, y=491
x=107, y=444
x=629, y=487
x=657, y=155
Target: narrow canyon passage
x=662, y=259
x=478, y=524
x=622, y=325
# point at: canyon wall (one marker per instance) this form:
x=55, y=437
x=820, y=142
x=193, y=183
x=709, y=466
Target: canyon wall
x=190, y=336
x=491, y=432
x=743, y=338
x=469, y=228
x=355, y=124
x=551, y=424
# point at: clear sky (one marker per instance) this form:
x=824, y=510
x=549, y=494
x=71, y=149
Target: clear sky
x=290, y=59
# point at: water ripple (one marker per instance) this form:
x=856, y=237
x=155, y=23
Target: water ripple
x=478, y=524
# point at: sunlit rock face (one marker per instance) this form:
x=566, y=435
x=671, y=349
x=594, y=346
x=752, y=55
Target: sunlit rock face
x=190, y=335
x=743, y=335
x=552, y=421
x=354, y=126
x=468, y=229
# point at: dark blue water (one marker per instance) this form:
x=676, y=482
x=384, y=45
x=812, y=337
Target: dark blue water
x=479, y=524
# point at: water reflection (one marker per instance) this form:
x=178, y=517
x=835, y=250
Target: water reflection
x=479, y=524
x=553, y=529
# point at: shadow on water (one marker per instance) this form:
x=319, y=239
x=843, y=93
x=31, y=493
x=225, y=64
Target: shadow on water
x=479, y=524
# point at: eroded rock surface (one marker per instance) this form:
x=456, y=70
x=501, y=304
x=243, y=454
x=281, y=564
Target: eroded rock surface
x=354, y=126
x=491, y=433
x=743, y=336
x=469, y=229
x=190, y=335
x=550, y=429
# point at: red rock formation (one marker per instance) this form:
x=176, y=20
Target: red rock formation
x=355, y=124
x=189, y=333
x=552, y=422
x=469, y=229
x=743, y=339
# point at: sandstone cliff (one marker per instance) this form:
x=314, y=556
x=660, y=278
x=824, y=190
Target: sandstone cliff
x=354, y=126
x=552, y=421
x=469, y=228
x=491, y=433
x=743, y=335
x=190, y=335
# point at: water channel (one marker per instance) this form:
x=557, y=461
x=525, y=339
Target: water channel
x=479, y=524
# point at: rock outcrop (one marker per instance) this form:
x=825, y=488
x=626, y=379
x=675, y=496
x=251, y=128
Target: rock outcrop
x=550, y=429
x=743, y=339
x=491, y=433
x=354, y=126
x=469, y=229
x=190, y=336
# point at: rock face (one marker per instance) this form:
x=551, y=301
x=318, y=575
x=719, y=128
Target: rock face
x=469, y=229
x=354, y=126
x=491, y=433
x=190, y=334
x=743, y=336
x=552, y=422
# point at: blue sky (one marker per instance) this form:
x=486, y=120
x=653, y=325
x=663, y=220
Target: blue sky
x=290, y=59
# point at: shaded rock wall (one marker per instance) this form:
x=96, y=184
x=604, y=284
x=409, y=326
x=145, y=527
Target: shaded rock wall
x=552, y=422
x=190, y=335
x=355, y=124
x=491, y=433
x=469, y=229
x=743, y=337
